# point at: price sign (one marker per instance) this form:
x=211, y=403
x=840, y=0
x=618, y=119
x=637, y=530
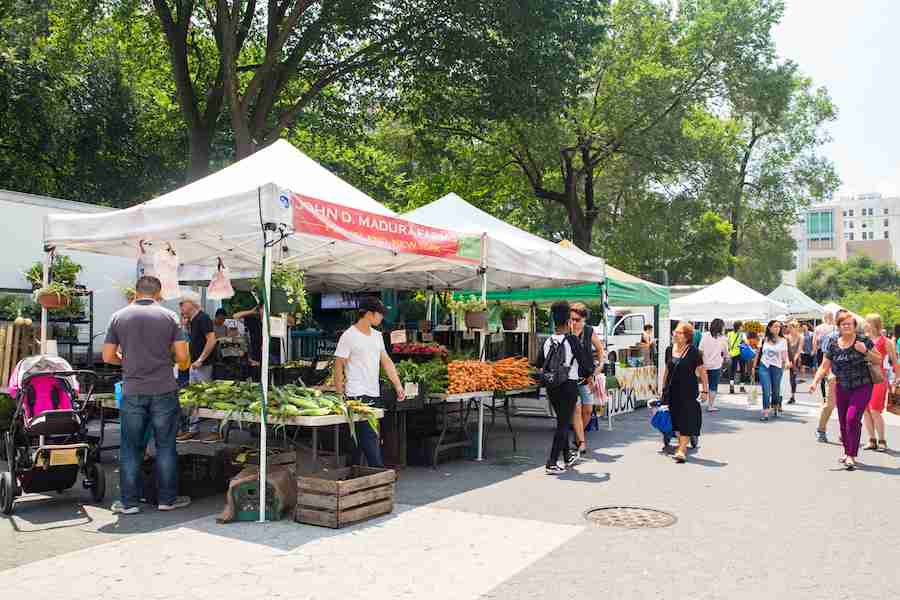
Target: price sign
x=398, y=337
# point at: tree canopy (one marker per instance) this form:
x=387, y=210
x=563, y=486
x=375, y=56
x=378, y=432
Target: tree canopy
x=831, y=279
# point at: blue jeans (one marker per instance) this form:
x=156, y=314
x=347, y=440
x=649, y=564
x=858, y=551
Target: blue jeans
x=367, y=442
x=141, y=412
x=770, y=380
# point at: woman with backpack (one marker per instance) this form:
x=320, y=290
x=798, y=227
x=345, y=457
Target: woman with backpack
x=684, y=367
x=559, y=360
x=593, y=349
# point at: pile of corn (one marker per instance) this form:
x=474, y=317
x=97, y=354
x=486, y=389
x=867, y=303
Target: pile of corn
x=464, y=376
x=512, y=374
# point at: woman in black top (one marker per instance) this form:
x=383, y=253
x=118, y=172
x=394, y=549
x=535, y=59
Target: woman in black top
x=684, y=366
x=847, y=356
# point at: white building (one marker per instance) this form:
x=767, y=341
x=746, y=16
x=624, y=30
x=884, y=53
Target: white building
x=866, y=224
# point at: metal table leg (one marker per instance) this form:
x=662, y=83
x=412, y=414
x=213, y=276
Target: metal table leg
x=440, y=442
x=480, y=429
x=512, y=431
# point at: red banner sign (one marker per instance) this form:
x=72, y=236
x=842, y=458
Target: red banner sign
x=317, y=217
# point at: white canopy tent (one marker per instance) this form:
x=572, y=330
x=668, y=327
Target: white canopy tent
x=799, y=305
x=514, y=259
x=729, y=300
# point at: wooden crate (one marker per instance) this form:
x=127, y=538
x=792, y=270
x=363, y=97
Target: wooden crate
x=344, y=496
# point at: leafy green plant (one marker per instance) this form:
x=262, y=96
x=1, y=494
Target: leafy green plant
x=511, y=311
x=290, y=280
x=63, y=270
x=55, y=288
x=7, y=408
x=467, y=303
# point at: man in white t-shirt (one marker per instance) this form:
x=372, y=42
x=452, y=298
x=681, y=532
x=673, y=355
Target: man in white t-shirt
x=359, y=356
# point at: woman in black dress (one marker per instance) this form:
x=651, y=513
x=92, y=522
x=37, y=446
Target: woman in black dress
x=685, y=363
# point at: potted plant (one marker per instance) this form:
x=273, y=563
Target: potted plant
x=54, y=296
x=288, y=290
x=475, y=310
x=63, y=270
x=510, y=315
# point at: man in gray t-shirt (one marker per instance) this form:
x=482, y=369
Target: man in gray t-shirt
x=143, y=337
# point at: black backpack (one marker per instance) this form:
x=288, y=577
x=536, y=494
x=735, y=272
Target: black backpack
x=555, y=369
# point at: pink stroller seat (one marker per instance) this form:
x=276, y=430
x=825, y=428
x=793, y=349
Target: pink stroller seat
x=46, y=399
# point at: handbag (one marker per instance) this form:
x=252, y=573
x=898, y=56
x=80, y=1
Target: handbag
x=662, y=420
x=875, y=371
x=670, y=368
x=747, y=352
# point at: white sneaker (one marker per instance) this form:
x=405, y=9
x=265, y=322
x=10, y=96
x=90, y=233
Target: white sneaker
x=120, y=509
x=180, y=502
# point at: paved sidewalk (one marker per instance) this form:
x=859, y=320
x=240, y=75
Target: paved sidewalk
x=764, y=511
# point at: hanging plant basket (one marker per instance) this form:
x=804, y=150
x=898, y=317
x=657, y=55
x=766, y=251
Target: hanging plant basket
x=476, y=319
x=510, y=323
x=52, y=300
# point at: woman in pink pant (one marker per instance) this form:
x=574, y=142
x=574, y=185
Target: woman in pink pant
x=847, y=357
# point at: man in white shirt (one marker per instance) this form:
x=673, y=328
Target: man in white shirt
x=359, y=356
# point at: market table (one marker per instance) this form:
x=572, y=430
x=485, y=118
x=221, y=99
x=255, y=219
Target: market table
x=445, y=400
x=313, y=423
x=507, y=397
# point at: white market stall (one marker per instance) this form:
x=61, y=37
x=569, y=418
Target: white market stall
x=799, y=305
x=728, y=300
x=280, y=205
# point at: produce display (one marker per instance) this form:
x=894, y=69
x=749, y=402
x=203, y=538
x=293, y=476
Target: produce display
x=427, y=348
x=432, y=374
x=512, y=374
x=470, y=376
x=238, y=399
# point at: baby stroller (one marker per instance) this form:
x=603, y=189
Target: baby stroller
x=47, y=444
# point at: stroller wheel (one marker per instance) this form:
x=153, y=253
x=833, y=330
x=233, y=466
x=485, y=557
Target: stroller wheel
x=7, y=492
x=98, y=487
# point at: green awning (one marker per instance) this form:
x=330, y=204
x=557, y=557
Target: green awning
x=623, y=290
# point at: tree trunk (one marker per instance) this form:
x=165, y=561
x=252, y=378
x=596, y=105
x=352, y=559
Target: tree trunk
x=582, y=233
x=199, y=153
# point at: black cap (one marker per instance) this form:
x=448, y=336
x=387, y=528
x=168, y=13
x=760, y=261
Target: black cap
x=371, y=304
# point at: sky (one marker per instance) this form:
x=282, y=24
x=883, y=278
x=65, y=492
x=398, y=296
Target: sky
x=852, y=47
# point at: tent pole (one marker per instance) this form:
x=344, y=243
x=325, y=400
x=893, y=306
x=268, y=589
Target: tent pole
x=48, y=256
x=264, y=376
x=482, y=350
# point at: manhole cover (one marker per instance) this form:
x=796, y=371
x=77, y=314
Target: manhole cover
x=629, y=517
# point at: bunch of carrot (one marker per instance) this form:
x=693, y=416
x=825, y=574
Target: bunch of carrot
x=512, y=374
x=470, y=376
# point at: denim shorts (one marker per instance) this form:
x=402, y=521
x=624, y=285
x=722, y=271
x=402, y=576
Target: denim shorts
x=584, y=396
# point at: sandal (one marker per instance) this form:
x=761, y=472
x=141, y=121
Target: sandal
x=872, y=445
x=850, y=464
x=680, y=458
x=882, y=446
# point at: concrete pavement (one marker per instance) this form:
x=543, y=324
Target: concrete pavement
x=763, y=511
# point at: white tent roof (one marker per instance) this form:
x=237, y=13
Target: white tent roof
x=221, y=216
x=515, y=259
x=728, y=300
x=799, y=305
